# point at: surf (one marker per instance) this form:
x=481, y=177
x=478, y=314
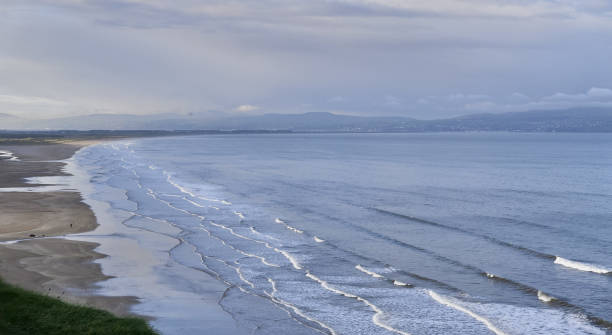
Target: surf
x=581, y=266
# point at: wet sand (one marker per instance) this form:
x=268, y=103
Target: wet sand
x=37, y=214
x=58, y=267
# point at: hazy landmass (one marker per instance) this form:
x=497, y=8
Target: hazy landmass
x=567, y=120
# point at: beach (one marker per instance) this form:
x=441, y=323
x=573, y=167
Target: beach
x=54, y=266
x=58, y=239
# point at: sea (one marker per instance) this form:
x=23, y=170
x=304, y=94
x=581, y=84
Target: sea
x=429, y=233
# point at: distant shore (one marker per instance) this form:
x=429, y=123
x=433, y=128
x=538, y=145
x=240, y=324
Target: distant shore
x=57, y=267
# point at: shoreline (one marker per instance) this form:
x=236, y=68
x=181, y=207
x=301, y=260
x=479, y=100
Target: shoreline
x=101, y=262
x=43, y=260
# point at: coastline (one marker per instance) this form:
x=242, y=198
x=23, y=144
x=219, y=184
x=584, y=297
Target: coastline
x=58, y=267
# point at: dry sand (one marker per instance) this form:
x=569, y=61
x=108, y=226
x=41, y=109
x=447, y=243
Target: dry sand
x=55, y=266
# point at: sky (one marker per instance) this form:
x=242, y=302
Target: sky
x=413, y=58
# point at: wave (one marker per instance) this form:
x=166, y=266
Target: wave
x=517, y=319
x=545, y=297
x=294, y=262
x=377, y=311
x=448, y=302
x=293, y=229
x=189, y=192
x=522, y=287
x=587, y=267
x=193, y=202
x=416, y=248
x=237, y=269
x=318, y=240
x=467, y=232
x=530, y=290
x=296, y=310
x=426, y=281
x=371, y=273
x=261, y=258
x=379, y=276
x=7, y=155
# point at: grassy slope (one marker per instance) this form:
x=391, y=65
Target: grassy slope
x=24, y=312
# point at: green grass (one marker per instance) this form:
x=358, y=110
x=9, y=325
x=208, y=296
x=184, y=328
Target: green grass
x=28, y=313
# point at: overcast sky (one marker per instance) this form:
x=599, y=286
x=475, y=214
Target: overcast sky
x=423, y=59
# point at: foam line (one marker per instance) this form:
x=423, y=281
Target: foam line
x=544, y=297
x=296, y=265
x=295, y=309
x=285, y=254
x=295, y=230
x=371, y=273
x=9, y=156
x=582, y=266
x=188, y=192
x=447, y=302
x=262, y=259
x=193, y=202
x=377, y=311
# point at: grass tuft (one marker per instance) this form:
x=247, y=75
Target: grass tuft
x=25, y=313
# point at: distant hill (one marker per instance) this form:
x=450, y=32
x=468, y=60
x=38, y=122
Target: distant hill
x=568, y=120
x=310, y=122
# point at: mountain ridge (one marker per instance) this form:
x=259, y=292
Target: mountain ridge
x=565, y=120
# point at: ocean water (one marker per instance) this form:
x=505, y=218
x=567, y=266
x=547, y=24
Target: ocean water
x=467, y=233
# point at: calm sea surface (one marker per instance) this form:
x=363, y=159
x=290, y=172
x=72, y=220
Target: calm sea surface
x=480, y=233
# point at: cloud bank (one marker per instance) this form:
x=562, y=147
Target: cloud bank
x=424, y=59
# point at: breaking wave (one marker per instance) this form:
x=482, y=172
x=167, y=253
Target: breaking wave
x=587, y=267
x=448, y=302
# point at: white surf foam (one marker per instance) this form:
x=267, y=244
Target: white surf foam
x=293, y=229
x=318, y=240
x=4, y=154
x=517, y=319
x=191, y=192
x=193, y=202
x=294, y=262
x=261, y=258
x=376, y=318
x=448, y=302
x=296, y=310
x=371, y=273
x=399, y=283
x=544, y=297
x=582, y=266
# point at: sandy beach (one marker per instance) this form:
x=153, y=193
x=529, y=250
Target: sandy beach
x=58, y=267
x=63, y=243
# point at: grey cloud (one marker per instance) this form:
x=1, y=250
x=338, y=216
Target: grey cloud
x=594, y=97
x=381, y=57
